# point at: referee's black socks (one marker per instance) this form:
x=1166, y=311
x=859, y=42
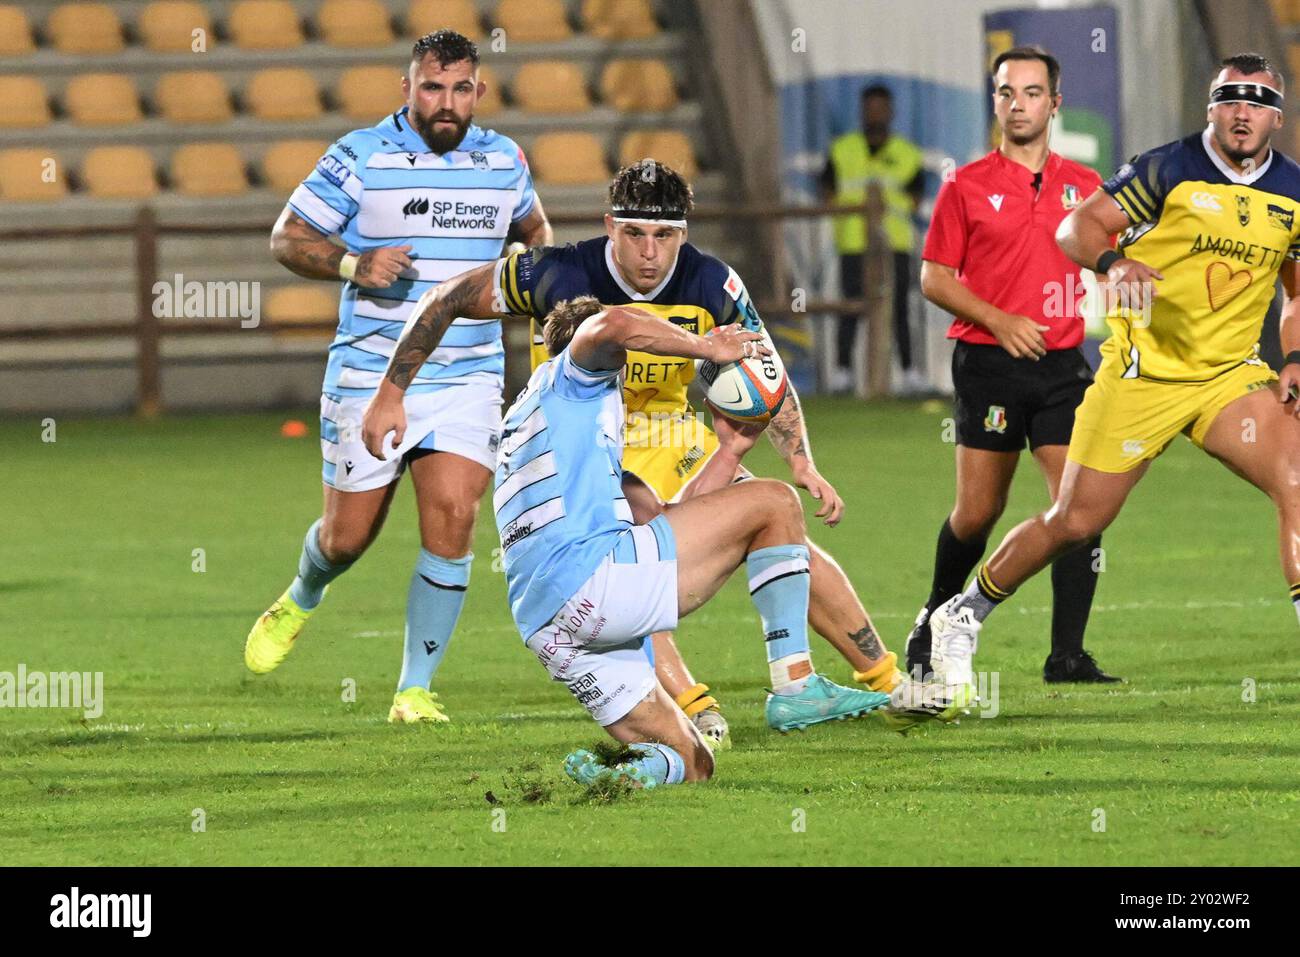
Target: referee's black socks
x=954, y=560
x=1074, y=582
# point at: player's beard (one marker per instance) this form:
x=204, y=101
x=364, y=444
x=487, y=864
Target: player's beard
x=1239, y=156
x=441, y=140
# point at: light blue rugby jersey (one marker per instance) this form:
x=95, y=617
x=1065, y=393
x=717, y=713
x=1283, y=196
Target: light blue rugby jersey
x=559, y=486
x=383, y=187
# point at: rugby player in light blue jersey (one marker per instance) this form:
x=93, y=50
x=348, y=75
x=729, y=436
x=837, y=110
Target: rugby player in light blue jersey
x=418, y=198
x=587, y=587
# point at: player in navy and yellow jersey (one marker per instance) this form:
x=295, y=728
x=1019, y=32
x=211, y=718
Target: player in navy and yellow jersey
x=644, y=259
x=1211, y=223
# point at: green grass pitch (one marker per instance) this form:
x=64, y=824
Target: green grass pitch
x=97, y=574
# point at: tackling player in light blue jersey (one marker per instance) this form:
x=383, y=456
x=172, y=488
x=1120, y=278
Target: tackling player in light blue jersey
x=415, y=200
x=587, y=587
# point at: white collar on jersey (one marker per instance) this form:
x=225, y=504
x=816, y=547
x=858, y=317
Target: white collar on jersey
x=1228, y=171
x=622, y=283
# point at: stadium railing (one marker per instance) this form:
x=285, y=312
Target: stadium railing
x=148, y=329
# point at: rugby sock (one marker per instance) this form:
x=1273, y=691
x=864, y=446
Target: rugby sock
x=778, y=585
x=982, y=596
x=696, y=699
x=1295, y=598
x=883, y=676
x=433, y=605
x=954, y=560
x=1074, y=582
x=659, y=762
x=315, y=571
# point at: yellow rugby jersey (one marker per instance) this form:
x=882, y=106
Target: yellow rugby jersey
x=1218, y=238
x=700, y=293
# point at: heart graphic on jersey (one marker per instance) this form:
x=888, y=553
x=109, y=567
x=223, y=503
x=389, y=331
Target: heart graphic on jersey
x=1223, y=284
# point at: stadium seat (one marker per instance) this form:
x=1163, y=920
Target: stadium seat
x=265, y=25
x=84, y=28
x=15, y=31
x=287, y=164
x=208, y=169
x=1287, y=12
x=533, y=21
x=119, y=172
x=354, y=23
x=23, y=103
x=638, y=86
x=490, y=103
x=551, y=86
x=303, y=303
x=192, y=96
x=619, y=19
x=426, y=16
x=283, y=93
x=23, y=175
x=167, y=26
x=667, y=146
x=368, y=92
x=568, y=159
x=102, y=99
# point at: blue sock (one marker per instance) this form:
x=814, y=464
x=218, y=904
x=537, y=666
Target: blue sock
x=315, y=571
x=659, y=762
x=778, y=585
x=432, y=606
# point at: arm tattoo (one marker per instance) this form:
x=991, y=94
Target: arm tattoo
x=453, y=299
x=868, y=643
x=304, y=250
x=787, y=431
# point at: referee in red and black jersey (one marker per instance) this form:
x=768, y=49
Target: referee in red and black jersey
x=991, y=260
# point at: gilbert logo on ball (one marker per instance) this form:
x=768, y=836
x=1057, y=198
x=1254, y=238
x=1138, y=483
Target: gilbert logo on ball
x=747, y=390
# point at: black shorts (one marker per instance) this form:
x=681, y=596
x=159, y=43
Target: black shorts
x=1001, y=401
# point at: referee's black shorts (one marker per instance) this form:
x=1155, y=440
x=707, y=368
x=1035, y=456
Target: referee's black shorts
x=1002, y=402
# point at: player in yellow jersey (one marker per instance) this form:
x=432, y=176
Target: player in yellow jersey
x=1210, y=223
x=643, y=258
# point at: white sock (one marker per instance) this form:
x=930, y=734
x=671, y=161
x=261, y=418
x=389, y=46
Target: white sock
x=780, y=671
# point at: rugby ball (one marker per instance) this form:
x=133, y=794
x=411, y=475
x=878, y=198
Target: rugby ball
x=748, y=390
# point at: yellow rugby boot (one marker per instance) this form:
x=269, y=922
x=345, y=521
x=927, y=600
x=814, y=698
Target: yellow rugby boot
x=415, y=706
x=271, y=639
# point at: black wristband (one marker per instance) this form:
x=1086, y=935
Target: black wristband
x=1105, y=261
x=1292, y=357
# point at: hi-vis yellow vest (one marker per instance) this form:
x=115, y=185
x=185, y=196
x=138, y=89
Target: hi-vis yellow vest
x=893, y=167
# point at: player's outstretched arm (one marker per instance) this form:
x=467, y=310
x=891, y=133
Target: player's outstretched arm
x=604, y=340
x=303, y=249
x=468, y=295
x=788, y=433
x=1289, y=329
x=1085, y=236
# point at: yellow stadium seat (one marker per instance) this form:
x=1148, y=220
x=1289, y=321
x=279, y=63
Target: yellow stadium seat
x=368, y=92
x=426, y=16
x=1293, y=57
x=568, y=159
x=635, y=86
x=193, y=96
x=31, y=175
x=208, y=169
x=490, y=103
x=1287, y=12
x=84, y=28
x=265, y=25
x=354, y=23
x=551, y=86
x=286, y=164
x=119, y=172
x=533, y=21
x=168, y=26
x=24, y=103
x=305, y=303
x=15, y=31
x=670, y=147
x=102, y=99
x=619, y=19
x=283, y=93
